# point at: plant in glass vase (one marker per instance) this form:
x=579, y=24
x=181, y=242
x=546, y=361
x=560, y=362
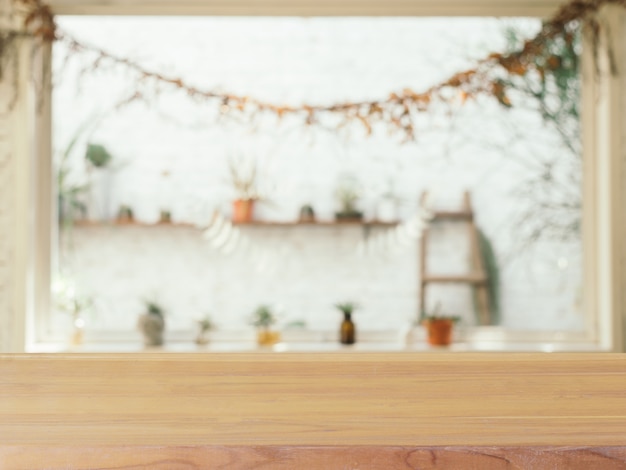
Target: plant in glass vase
x=205, y=326
x=347, y=330
x=263, y=318
x=67, y=300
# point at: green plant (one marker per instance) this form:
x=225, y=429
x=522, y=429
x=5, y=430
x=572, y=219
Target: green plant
x=70, y=196
x=125, y=212
x=97, y=155
x=154, y=308
x=263, y=317
x=493, y=277
x=307, y=212
x=348, y=193
x=70, y=193
x=67, y=299
x=436, y=315
x=206, y=324
x=243, y=177
x=75, y=306
x=346, y=307
x=551, y=85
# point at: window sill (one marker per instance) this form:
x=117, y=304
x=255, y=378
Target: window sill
x=318, y=347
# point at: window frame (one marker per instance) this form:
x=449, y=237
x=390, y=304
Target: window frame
x=603, y=155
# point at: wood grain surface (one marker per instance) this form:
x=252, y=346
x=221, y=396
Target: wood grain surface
x=322, y=458
x=303, y=400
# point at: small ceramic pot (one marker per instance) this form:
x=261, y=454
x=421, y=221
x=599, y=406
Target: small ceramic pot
x=152, y=327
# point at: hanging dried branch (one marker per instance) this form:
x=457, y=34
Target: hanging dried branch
x=398, y=111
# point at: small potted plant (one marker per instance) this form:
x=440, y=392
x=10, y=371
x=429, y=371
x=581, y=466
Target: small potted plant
x=244, y=181
x=68, y=301
x=347, y=331
x=307, y=214
x=71, y=197
x=348, y=194
x=263, y=319
x=152, y=324
x=97, y=155
x=439, y=327
x=125, y=215
x=165, y=217
x=100, y=174
x=205, y=326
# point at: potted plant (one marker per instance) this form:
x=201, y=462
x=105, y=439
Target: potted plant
x=165, y=216
x=263, y=319
x=439, y=327
x=67, y=300
x=100, y=173
x=348, y=194
x=244, y=181
x=152, y=324
x=347, y=330
x=73, y=195
x=125, y=215
x=97, y=155
x=307, y=214
x=71, y=203
x=205, y=326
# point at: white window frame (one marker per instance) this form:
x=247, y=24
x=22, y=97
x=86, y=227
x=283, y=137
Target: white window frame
x=603, y=154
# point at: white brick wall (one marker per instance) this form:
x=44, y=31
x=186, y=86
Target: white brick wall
x=294, y=60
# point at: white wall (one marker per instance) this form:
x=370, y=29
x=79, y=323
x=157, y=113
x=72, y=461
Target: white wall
x=317, y=60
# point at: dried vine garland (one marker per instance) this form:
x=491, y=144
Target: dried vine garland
x=398, y=110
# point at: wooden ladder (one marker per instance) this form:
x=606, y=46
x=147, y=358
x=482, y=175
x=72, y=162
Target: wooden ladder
x=477, y=278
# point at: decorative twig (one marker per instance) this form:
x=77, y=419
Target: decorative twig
x=398, y=110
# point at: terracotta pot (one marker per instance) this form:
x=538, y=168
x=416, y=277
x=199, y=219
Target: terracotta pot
x=243, y=210
x=439, y=332
x=267, y=337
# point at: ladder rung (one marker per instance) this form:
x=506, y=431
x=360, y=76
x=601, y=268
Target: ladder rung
x=470, y=279
x=458, y=215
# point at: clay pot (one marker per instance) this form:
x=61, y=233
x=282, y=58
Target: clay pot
x=243, y=210
x=439, y=331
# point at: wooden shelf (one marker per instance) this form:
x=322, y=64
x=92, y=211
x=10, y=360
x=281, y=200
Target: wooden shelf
x=325, y=223
x=255, y=223
x=115, y=223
